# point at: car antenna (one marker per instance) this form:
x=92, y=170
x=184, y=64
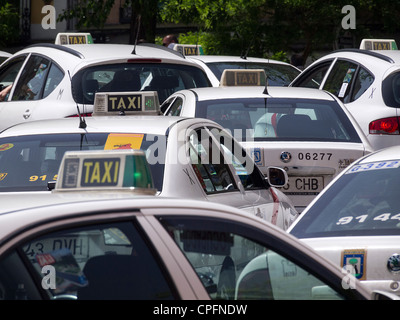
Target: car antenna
x=137, y=33
x=82, y=122
x=244, y=56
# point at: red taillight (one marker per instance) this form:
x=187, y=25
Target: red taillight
x=82, y=115
x=384, y=126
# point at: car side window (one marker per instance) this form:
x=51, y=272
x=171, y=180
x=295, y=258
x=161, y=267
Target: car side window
x=10, y=71
x=362, y=82
x=104, y=261
x=208, y=163
x=175, y=108
x=235, y=262
x=249, y=175
x=32, y=79
x=341, y=78
x=53, y=79
x=313, y=78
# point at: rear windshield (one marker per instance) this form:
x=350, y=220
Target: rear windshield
x=28, y=163
x=277, y=74
x=163, y=78
x=264, y=119
x=364, y=201
x=391, y=90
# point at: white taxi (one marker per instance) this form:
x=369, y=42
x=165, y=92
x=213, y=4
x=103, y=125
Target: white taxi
x=307, y=132
x=278, y=73
x=190, y=158
x=102, y=234
x=4, y=55
x=354, y=222
x=367, y=82
x=52, y=80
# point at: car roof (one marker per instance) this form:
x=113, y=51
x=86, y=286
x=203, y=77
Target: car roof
x=141, y=124
x=258, y=92
x=83, y=54
x=222, y=58
x=390, y=153
x=14, y=212
x=384, y=56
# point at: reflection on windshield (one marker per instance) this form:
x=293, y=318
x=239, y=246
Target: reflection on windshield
x=28, y=163
x=280, y=119
x=277, y=74
x=364, y=201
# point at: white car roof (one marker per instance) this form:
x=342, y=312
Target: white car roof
x=217, y=58
x=5, y=54
x=366, y=56
x=117, y=124
x=14, y=206
x=257, y=92
x=390, y=153
x=85, y=54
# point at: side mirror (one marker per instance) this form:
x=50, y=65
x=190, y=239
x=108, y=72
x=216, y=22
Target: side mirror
x=277, y=177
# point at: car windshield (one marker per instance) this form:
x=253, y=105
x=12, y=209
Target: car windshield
x=28, y=163
x=277, y=74
x=364, y=201
x=280, y=119
x=163, y=78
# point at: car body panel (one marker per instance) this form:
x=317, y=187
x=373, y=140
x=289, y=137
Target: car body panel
x=361, y=229
x=54, y=95
x=179, y=178
x=371, y=99
x=214, y=65
x=308, y=158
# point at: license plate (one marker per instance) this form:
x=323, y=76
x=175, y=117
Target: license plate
x=78, y=246
x=304, y=186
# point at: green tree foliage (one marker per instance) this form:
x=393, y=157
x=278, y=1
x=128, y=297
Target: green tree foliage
x=9, y=24
x=89, y=13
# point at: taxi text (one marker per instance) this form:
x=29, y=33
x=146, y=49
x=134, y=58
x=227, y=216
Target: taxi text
x=100, y=172
x=125, y=103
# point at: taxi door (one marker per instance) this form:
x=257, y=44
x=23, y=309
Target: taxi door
x=255, y=194
x=32, y=78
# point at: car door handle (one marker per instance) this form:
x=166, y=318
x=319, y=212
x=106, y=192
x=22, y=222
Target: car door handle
x=27, y=114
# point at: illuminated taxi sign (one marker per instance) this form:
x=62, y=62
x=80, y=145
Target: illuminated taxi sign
x=243, y=77
x=74, y=38
x=378, y=44
x=105, y=170
x=189, y=49
x=126, y=103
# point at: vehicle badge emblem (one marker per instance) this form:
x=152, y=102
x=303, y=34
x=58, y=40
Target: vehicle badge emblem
x=393, y=263
x=285, y=157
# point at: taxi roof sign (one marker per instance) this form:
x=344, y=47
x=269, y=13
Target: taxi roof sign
x=74, y=38
x=189, y=49
x=243, y=77
x=107, y=170
x=126, y=103
x=378, y=44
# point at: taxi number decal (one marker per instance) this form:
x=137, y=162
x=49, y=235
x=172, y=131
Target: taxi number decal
x=362, y=218
x=41, y=178
x=314, y=156
x=100, y=172
x=124, y=103
x=374, y=166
